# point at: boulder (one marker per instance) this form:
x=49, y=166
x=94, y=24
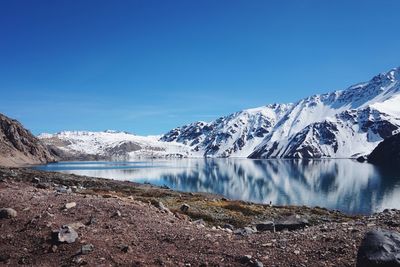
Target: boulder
x=7, y=213
x=66, y=234
x=185, y=207
x=379, y=248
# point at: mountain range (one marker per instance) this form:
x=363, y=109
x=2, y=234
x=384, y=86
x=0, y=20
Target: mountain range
x=341, y=124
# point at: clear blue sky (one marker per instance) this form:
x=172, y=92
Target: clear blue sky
x=148, y=66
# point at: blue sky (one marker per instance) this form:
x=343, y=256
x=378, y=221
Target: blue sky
x=148, y=66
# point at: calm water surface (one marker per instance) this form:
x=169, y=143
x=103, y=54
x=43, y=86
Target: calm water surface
x=345, y=185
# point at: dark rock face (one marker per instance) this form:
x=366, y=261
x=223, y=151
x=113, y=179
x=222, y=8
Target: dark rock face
x=387, y=152
x=379, y=248
x=18, y=146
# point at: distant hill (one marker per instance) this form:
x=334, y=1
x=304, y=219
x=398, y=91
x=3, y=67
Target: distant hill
x=19, y=147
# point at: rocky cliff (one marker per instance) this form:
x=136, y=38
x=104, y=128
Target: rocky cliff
x=18, y=146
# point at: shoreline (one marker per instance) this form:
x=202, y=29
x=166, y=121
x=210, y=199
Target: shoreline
x=232, y=229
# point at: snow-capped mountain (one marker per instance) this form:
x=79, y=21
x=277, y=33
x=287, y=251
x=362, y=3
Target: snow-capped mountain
x=237, y=134
x=110, y=145
x=341, y=124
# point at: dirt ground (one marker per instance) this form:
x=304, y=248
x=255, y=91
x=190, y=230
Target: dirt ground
x=124, y=225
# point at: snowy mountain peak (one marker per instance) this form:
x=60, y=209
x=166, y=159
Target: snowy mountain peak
x=343, y=123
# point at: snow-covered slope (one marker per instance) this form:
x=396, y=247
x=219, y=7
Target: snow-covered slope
x=344, y=123
x=110, y=145
x=233, y=136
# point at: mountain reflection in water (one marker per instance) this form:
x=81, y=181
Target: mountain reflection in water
x=341, y=184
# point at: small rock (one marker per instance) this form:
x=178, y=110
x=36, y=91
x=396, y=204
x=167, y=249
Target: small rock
x=7, y=213
x=199, y=222
x=76, y=225
x=35, y=180
x=65, y=234
x=125, y=248
x=161, y=207
x=228, y=226
x=245, y=259
x=54, y=248
x=86, y=249
x=117, y=214
x=296, y=252
x=248, y=260
x=379, y=248
x=63, y=189
x=79, y=261
x=92, y=221
x=185, y=207
x=245, y=231
x=70, y=205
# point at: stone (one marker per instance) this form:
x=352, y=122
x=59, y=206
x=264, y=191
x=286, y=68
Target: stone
x=79, y=261
x=117, y=214
x=92, y=221
x=63, y=189
x=185, y=207
x=291, y=223
x=65, y=234
x=86, y=249
x=379, y=248
x=228, y=226
x=35, y=180
x=265, y=226
x=245, y=231
x=199, y=222
x=161, y=207
x=124, y=248
x=76, y=225
x=7, y=213
x=248, y=260
x=54, y=248
x=70, y=205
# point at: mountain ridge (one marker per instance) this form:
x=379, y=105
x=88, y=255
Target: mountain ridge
x=296, y=132
x=341, y=124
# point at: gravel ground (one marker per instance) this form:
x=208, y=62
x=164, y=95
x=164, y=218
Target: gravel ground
x=125, y=230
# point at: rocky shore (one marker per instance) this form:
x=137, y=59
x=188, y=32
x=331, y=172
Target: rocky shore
x=55, y=219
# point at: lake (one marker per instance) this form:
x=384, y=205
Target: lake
x=341, y=184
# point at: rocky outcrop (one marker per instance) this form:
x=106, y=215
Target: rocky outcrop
x=387, y=152
x=18, y=146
